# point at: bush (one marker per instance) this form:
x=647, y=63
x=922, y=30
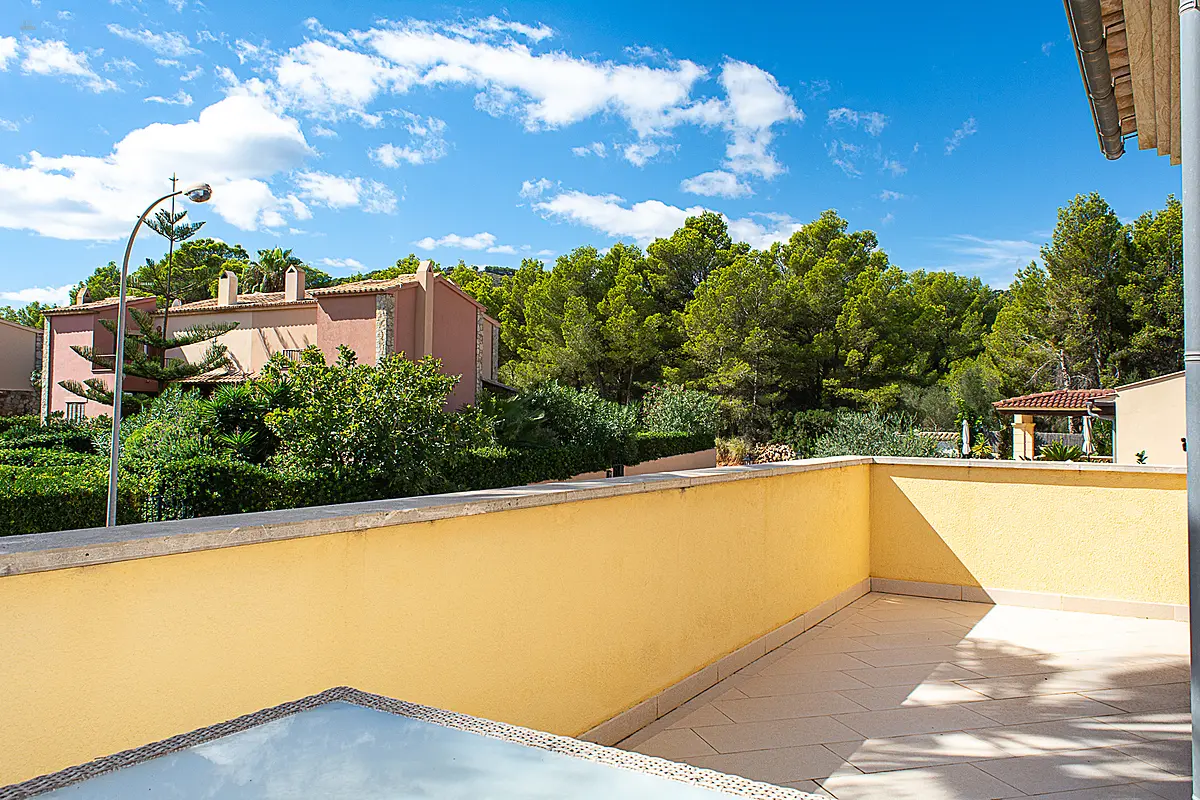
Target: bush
x=209, y=486
x=872, y=433
x=499, y=467
x=1057, y=451
x=583, y=419
x=46, y=457
x=39, y=499
x=22, y=421
x=734, y=451
x=671, y=409
x=652, y=445
x=74, y=439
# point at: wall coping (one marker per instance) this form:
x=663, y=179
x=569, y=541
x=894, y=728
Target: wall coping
x=40, y=552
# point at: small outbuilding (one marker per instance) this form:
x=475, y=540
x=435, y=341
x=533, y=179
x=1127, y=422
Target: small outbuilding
x=1059, y=403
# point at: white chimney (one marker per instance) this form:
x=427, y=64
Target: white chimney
x=176, y=303
x=293, y=284
x=83, y=296
x=227, y=289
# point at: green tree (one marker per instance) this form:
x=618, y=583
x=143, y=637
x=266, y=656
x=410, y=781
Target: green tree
x=103, y=283
x=1154, y=294
x=29, y=314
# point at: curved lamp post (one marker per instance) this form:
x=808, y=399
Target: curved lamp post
x=200, y=193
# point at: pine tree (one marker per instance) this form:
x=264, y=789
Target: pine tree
x=145, y=357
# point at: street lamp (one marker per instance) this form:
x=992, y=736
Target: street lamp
x=200, y=193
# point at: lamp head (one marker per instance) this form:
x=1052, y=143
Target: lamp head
x=200, y=193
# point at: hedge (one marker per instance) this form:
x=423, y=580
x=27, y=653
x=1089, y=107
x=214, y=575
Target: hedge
x=209, y=486
x=651, y=446
x=22, y=421
x=47, y=457
x=59, y=439
x=37, y=499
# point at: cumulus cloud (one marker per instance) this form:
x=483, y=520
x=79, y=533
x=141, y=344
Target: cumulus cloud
x=648, y=220
x=477, y=241
x=717, y=183
x=54, y=58
x=52, y=295
x=335, y=191
x=536, y=188
x=968, y=128
x=596, y=149
x=870, y=121
x=168, y=43
x=180, y=98
x=427, y=143
x=333, y=82
x=342, y=263
x=641, y=153
x=8, y=51
x=235, y=145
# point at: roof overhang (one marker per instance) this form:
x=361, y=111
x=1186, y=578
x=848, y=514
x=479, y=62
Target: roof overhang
x=1140, y=54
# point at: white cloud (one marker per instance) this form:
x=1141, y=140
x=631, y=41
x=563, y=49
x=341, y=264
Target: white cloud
x=996, y=261
x=65, y=15
x=178, y=5
x=887, y=219
x=651, y=219
x=969, y=128
x=870, y=121
x=56, y=59
x=235, y=145
x=887, y=195
x=58, y=296
x=478, y=241
x=536, y=188
x=1047, y=47
x=332, y=82
x=641, y=153
x=342, y=263
x=893, y=166
x=427, y=143
x=168, y=43
x=596, y=149
x=191, y=74
x=11, y=126
x=334, y=191
x=843, y=155
x=717, y=183
x=755, y=103
x=8, y=51
x=324, y=132
x=504, y=249
x=180, y=98
x=126, y=65
x=534, y=33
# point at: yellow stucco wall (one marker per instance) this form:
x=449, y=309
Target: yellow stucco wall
x=557, y=617
x=1100, y=534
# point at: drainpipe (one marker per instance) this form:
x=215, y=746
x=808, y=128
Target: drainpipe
x=1189, y=113
x=1087, y=21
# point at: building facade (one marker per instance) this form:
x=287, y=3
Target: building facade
x=21, y=359
x=417, y=315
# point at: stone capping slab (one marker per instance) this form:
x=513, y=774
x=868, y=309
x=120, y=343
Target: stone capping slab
x=39, y=552
x=1028, y=599
x=632, y=720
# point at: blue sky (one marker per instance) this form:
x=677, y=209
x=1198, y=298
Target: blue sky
x=356, y=133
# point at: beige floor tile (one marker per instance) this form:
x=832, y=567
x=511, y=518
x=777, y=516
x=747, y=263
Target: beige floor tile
x=911, y=675
x=906, y=721
x=1078, y=769
x=845, y=629
x=788, y=706
x=891, y=641
x=1056, y=736
x=775, y=766
x=818, y=645
x=910, y=752
x=1007, y=666
x=1020, y=710
x=812, y=787
x=797, y=683
x=802, y=662
x=701, y=717
x=1172, y=788
x=913, y=611
x=953, y=782
x=1089, y=681
x=775, y=734
x=1144, y=699
x=950, y=624
x=1130, y=791
x=1170, y=755
x=1153, y=725
x=675, y=744
x=904, y=696
x=903, y=656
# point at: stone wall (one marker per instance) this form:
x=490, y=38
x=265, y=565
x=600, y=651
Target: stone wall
x=16, y=403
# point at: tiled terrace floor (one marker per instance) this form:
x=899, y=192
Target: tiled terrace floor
x=904, y=697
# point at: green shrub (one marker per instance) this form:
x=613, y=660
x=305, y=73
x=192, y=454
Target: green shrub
x=39, y=499
x=46, y=457
x=1057, y=451
x=22, y=421
x=872, y=433
x=582, y=418
x=499, y=467
x=652, y=445
x=670, y=409
x=208, y=486
x=77, y=440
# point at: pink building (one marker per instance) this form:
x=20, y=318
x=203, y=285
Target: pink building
x=417, y=315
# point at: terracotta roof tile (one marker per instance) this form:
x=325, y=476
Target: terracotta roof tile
x=371, y=285
x=1059, y=400
x=252, y=300
x=92, y=306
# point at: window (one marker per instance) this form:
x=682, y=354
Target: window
x=292, y=355
x=75, y=411
x=104, y=343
